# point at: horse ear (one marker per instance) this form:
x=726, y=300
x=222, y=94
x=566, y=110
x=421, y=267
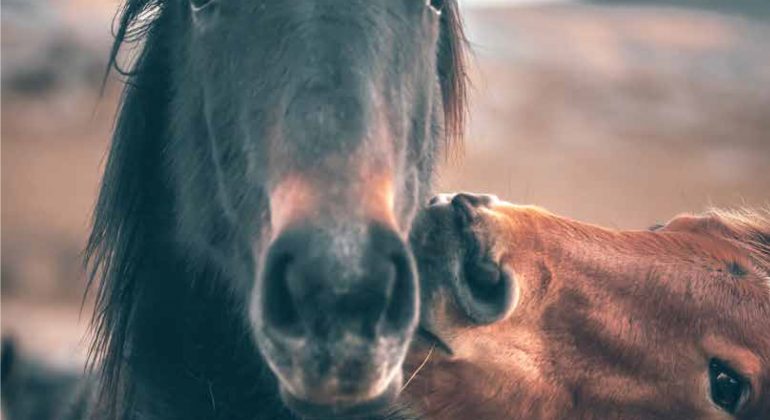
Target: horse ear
x=748, y=229
x=741, y=225
x=8, y=354
x=699, y=224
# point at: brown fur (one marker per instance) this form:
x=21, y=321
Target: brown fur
x=608, y=324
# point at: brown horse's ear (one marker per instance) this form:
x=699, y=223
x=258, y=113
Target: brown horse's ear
x=748, y=229
x=484, y=290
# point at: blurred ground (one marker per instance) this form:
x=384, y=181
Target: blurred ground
x=620, y=115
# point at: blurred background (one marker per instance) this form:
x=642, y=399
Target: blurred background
x=622, y=113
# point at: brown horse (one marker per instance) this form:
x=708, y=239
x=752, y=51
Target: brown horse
x=534, y=316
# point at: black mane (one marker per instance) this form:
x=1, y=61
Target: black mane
x=126, y=211
x=134, y=216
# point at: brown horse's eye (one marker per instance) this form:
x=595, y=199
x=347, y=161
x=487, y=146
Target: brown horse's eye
x=436, y=5
x=729, y=390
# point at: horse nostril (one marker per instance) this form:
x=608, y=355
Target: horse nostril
x=466, y=207
x=313, y=287
x=280, y=310
x=400, y=311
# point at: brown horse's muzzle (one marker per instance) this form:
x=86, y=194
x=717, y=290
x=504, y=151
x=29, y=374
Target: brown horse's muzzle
x=456, y=264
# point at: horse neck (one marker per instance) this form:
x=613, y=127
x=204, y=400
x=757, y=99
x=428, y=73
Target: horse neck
x=191, y=355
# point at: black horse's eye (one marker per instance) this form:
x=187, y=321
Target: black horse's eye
x=729, y=390
x=436, y=5
x=199, y=4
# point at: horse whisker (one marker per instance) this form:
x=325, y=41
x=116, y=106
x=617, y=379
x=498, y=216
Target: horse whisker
x=419, y=368
x=211, y=397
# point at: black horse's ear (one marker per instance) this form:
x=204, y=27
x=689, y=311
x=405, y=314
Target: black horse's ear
x=8, y=355
x=484, y=290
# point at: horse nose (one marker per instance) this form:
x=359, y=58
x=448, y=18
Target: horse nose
x=330, y=285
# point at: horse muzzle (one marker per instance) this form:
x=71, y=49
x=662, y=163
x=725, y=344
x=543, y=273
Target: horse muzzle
x=334, y=312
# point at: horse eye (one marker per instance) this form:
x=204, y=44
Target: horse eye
x=436, y=5
x=729, y=390
x=199, y=4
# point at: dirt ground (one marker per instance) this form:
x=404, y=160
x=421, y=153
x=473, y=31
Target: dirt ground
x=623, y=116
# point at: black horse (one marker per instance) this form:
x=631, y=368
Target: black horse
x=267, y=162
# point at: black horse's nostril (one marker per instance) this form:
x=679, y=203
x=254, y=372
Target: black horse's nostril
x=326, y=285
x=400, y=310
x=280, y=308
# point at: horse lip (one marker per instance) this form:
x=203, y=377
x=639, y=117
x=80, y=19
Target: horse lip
x=434, y=339
x=342, y=409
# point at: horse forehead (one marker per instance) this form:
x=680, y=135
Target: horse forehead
x=306, y=13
